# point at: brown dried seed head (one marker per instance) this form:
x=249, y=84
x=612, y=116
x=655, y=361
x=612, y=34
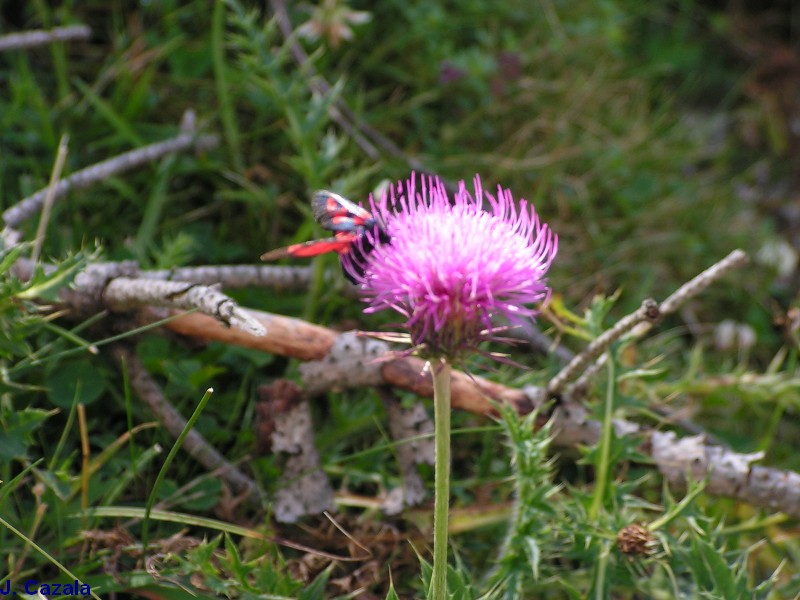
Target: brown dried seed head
x=634, y=539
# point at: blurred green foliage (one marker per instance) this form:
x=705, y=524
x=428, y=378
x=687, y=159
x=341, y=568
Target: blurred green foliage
x=624, y=122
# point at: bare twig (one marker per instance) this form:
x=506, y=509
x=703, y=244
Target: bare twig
x=350, y=361
x=61, y=156
x=700, y=283
x=186, y=140
x=687, y=291
x=648, y=311
x=38, y=37
x=195, y=444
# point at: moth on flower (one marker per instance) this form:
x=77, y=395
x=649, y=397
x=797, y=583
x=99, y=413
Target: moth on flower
x=347, y=220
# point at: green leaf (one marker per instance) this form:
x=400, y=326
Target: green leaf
x=10, y=256
x=234, y=560
x=18, y=427
x=713, y=572
x=316, y=589
x=391, y=594
x=45, y=285
x=58, y=483
x=73, y=377
x=534, y=555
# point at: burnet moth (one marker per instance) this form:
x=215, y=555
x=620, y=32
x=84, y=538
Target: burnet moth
x=347, y=220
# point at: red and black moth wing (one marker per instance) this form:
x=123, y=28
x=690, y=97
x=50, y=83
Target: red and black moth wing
x=335, y=213
x=339, y=243
x=346, y=219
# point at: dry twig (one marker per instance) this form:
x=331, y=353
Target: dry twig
x=39, y=37
x=648, y=311
x=691, y=289
x=124, y=293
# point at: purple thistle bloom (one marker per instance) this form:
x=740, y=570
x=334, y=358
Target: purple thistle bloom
x=453, y=269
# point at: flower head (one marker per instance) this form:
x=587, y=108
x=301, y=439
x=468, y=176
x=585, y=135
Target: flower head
x=454, y=270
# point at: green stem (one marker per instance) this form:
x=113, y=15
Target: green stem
x=226, y=109
x=167, y=462
x=603, y=468
x=600, y=590
x=441, y=404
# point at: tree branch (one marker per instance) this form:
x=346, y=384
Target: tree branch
x=648, y=311
x=115, y=286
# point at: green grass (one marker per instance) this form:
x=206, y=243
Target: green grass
x=602, y=114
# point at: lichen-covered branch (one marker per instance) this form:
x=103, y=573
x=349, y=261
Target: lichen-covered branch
x=285, y=414
x=125, y=293
x=729, y=473
x=347, y=360
x=412, y=429
x=352, y=361
x=697, y=285
x=118, y=286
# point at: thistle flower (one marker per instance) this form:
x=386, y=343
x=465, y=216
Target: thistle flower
x=454, y=270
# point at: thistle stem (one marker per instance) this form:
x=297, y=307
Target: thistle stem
x=441, y=404
x=603, y=466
